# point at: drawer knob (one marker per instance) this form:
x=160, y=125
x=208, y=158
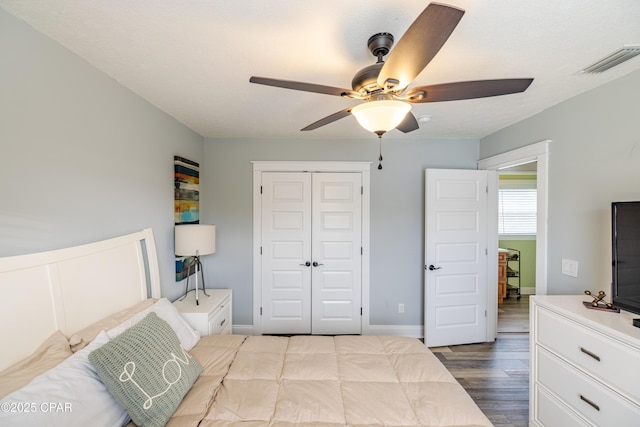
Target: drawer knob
x=222, y=323
x=589, y=353
x=591, y=403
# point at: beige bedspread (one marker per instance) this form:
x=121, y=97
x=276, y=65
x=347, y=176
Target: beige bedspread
x=323, y=381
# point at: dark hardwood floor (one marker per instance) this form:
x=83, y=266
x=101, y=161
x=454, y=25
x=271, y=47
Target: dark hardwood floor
x=496, y=375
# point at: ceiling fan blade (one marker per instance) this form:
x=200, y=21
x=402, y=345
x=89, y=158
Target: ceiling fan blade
x=307, y=87
x=329, y=119
x=408, y=124
x=419, y=45
x=467, y=90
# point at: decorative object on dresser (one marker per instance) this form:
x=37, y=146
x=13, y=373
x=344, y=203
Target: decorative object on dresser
x=595, y=304
x=212, y=317
x=195, y=240
x=583, y=365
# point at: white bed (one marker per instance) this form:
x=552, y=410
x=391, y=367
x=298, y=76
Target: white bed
x=250, y=381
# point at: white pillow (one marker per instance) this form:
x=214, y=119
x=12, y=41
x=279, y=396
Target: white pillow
x=166, y=311
x=69, y=394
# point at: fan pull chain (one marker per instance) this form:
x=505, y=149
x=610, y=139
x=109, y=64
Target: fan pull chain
x=380, y=157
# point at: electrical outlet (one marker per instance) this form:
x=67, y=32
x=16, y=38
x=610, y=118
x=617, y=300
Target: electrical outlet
x=570, y=267
x=400, y=308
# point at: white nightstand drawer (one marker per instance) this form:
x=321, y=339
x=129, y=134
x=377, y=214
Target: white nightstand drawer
x=219, y=320
x=601, y=356
x=595, y=402
x=212, y=316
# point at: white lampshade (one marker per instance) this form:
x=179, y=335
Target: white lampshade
x=195, y=239
x=381, y=116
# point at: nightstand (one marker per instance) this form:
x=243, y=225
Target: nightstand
x=212, y=316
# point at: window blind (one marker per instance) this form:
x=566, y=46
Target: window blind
x=517, y=211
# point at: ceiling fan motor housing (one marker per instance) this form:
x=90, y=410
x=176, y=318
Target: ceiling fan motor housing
x=365, y=80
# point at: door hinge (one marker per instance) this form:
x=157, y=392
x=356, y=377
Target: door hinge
x=361, y=250
x=486, y=189
x=360, y=311
x=486, y=251
x=362, y=189
x=260, y=311
x=261, y=189
x=260, y=250
x=485, y=313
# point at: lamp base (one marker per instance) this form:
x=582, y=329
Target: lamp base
x=198, y=268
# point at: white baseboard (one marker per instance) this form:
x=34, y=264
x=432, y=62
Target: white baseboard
x=413, y=331
x=528, y=291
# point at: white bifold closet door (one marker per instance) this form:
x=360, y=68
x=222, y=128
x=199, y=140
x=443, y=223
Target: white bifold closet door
x=311, y=253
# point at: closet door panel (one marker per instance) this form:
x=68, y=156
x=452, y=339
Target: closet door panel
x=336, y=248
x=286, y=248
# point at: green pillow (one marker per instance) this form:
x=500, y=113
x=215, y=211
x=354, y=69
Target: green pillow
x=146, y=370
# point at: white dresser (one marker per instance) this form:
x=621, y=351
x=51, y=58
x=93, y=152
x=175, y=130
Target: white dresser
x=585, y=365
x=212, y=316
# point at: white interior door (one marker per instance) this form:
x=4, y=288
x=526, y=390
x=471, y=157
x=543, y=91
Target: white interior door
x=311, y=269
x=286, y=253
x=456, y=261
x=337, y=255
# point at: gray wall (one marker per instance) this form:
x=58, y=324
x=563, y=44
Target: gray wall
x=81, y=157
x=397, y=213
x=594, y=159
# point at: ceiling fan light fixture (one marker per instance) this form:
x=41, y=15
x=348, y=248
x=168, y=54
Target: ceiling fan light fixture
x=381, y=116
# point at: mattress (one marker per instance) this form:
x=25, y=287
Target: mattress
x=323, y=381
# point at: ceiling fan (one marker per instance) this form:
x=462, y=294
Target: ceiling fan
x=383, y=85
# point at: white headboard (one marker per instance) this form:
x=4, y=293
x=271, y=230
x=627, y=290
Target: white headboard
x=69, y=289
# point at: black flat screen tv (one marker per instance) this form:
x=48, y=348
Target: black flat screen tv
x=625, y=227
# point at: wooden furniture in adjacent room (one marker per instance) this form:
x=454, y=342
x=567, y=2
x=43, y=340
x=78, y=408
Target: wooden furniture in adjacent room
x=583, y=364
x=502, y=274
x=212, y=316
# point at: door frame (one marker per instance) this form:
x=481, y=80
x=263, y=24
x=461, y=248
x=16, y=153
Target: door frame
x=364, y=168
x=538, y=152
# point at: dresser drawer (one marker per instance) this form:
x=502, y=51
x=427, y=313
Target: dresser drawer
x=592, y=400
x=603, y=357
x=551, y=412
x=220, y=320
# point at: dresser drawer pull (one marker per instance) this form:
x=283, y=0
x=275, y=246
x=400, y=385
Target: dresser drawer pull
x=596, y=407
x=222, y=323
x=585, y=351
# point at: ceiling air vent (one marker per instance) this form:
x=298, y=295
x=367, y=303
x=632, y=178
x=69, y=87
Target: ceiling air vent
x=618, y=57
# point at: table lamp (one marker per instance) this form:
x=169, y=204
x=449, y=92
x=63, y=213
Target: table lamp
x=195, y=240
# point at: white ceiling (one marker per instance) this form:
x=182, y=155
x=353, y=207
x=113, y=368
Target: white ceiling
x=193, y=58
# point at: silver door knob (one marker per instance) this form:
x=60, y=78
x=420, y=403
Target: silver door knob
x=306, y=264
x=316, y=263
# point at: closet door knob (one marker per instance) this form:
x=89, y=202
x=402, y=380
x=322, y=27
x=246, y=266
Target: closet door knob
x=306, y=264
x=316, y=263
x=433, y=267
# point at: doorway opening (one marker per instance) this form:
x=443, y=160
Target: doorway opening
x=538, y=154
x=517, y=220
